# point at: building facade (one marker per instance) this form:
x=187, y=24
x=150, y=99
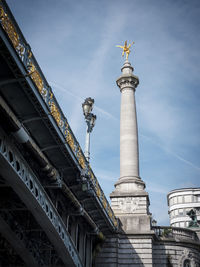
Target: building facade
x=180, y=202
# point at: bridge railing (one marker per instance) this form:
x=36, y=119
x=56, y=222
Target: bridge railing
x=33, y=71
x=175, y=232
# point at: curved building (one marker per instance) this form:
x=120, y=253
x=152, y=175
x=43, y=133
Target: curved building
x=180, y=201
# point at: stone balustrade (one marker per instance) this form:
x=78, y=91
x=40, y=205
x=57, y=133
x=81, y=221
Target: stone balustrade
x=175, y=233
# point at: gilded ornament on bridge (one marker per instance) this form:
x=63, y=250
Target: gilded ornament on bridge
x=110, y=212
x=91, y=175
x=35, y=76
x=11, y=31
x=104, y=201
x=81, y=159
x=51, y=96
x=98, y=190
x=55, y=112
x=9, y=28
x=70, y=140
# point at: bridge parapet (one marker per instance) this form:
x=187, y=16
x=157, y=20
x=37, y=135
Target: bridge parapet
x=33, y=71
x=167, y=232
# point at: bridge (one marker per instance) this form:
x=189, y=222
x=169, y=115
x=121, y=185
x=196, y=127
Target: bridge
x=53, y=212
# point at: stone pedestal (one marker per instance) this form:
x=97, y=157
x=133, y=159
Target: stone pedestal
x=129, y=200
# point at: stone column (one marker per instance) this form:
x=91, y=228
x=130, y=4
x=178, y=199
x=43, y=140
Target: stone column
x=129, y=200
x=129, y=154
x=129, y=163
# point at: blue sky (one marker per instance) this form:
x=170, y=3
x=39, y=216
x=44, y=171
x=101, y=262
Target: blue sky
x=74, y=44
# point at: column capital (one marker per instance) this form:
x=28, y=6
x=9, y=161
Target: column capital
x=127, y=82
x=127, y=79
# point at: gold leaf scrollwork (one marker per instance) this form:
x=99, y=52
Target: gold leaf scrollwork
x=98, y=190
x=91, y=175
x=81, y=159
x=70, y=140
x=11, y=31
x=104, y=202
x=35, y=76
x=51, y=96
x=110, y=212
x=9, y=28
x=55, y=112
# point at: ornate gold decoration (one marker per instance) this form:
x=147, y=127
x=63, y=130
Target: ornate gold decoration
x=9, y=28
x=35, y=76
x=70, y=140
x=91, y=175
x=126, y=49
x=11, y=31
x=98, y=190
x=81, y=159
x=55, y=112
x=110, y=212
x=104, y=201
x=51, y=96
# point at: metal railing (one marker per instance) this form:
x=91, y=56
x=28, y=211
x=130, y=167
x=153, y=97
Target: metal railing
x=33, y=71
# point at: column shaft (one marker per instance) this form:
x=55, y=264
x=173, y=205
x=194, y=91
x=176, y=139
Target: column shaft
x=129, y=158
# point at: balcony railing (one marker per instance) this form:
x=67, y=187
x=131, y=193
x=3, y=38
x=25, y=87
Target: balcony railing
x=33, y=71
x=175, y=233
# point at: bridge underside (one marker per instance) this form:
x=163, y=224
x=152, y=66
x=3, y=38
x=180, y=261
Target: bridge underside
x=23, y=241
x=24, y=100
x=50, y=215
x=53, y=211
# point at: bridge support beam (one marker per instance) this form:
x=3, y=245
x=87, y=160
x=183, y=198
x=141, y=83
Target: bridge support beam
x=17, y=244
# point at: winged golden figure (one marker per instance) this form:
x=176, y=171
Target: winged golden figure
x=126, y=49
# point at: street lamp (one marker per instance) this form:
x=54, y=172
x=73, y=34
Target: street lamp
x=90, y=119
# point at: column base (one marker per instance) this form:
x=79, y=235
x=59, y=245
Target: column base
x=129, y=184
x=130, y=203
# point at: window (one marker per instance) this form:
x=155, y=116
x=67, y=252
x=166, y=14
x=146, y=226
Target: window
x=188, y=198
x=172, y=214
x=180, y=199
x=197, y=198
x=180, y=212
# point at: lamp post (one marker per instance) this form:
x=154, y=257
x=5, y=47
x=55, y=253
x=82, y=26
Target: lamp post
x=90, y=119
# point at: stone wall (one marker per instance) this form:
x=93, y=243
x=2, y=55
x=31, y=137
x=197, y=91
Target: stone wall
x=123, y=250
x=126, y=251
x=172, y=253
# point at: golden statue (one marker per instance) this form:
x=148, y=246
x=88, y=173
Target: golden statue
x=126, y=49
